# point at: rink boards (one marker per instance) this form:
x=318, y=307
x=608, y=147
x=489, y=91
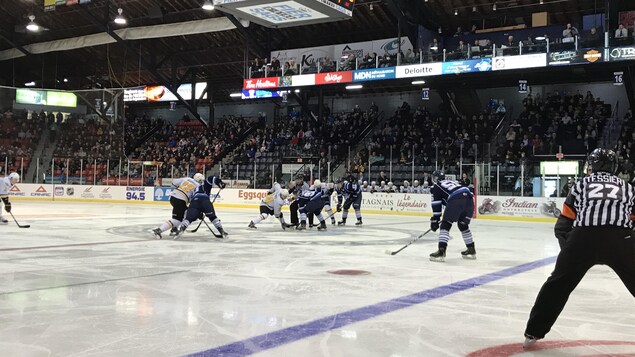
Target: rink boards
x=532, y=209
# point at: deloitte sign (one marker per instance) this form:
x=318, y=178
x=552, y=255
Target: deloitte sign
x=420, y=70
x=373, y=74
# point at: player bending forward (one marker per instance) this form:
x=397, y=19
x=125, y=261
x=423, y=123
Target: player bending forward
x=271, y=205
x=353, y=193
x=5, y=185
x=201, y=204
x=459, y=207
x=311, y=201
x=179, y=199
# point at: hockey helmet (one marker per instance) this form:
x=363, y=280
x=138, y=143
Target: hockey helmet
x=416, y=182
x=317, y=184
x=284, y=193
x=14, y=177
x=198, y=177
x=602, y=160
x=438, y=175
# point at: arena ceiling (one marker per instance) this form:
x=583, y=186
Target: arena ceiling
x=219, y=57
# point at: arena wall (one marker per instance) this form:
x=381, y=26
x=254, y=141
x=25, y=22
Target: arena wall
x=532, y=209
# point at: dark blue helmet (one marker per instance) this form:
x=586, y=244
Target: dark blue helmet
x=438, y=175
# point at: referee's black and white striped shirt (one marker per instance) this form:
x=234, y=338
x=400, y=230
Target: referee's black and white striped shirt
x=600, y=199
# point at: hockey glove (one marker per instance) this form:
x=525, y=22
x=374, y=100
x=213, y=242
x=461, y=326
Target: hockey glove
x=434, y=224
x=222, y=185
x=7, y=207
x=339, y=207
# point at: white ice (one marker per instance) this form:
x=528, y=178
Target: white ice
x=89, y=280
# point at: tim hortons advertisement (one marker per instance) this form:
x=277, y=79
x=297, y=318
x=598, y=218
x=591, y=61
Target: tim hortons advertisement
x=261, y=83
x=532, y=207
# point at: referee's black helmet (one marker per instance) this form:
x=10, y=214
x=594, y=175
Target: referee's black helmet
x=602, y=160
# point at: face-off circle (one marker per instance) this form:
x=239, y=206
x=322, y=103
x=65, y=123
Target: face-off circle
x=595, y=348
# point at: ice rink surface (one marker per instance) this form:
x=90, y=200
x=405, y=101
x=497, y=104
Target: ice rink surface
x=90, y=280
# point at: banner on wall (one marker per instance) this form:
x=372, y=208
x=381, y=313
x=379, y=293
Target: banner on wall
x=419, y=70
x=364, y=75
x=82, y=192
x=530, y=207
x=519, y=62
x=575, y=57
x=467, y=66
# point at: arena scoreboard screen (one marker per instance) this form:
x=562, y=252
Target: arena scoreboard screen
x=287, y=13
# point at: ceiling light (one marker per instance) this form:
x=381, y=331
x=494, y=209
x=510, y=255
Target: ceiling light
x=354, y=86
x=473, y=8
x=494, y=7
x=65, y=80
x=32, y=26
x=207, y=5
x=120, y=19
x=371, y=7
x=297, y=91
x=418, y=82
x=30, y=84
x=235, y=95
x=542, y=2
x=456, y=12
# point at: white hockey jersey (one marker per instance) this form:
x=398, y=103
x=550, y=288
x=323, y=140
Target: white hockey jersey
x=5, y=186
x=274, y=202
x=185, y=188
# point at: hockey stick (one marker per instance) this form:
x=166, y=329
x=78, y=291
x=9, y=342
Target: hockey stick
x=217, y=235
x=19, y=225
x=201, y=222
x=405, y=246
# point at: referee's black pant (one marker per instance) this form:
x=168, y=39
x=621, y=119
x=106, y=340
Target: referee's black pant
x=584, y=248
x=293, y=207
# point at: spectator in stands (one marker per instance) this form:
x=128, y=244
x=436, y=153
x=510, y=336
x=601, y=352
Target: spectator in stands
x=621, y=32
x=593, y=38
x=459, y=32
x=382, y=177
x=410, y=56
x=473, y=30
x=464, y=181
x=509, y=47
x=569, y=31
x=427, y=179
x=275, y=67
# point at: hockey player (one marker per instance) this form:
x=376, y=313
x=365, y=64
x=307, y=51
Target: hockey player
x=390, y=188
x=382, y=186
x=595, y=227
x=271, y=205
x=405, y=188
x=299, y=187
x=459, y=207
x=425, y=188
x=374, y=188
x=184, y=189
x=327, y=194
x=350, y=194
x=201, y=204
x=365, y=187
x=311, y=201
x=416, y=188
x=5, y=185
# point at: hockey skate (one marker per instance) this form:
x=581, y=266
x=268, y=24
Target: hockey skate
x=223, y=233
x=174, y=231
x=3, y=220
x=332, y=221
x=342, y=222
x=322, y=226
x=530, y=341
x=438, y=256
x=252, y=225
x=157, y=233
x=358, y=223
x=301, y=227
x=180, y=231
x=287, y=225
x=469, y=253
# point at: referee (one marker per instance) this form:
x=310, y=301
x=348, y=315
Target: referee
x=594, y=228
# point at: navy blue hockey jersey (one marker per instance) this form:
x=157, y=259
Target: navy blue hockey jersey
x=442, y=191
x=208, y=184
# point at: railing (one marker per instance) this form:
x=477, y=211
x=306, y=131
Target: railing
x=511, y=178
x=554, y=48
